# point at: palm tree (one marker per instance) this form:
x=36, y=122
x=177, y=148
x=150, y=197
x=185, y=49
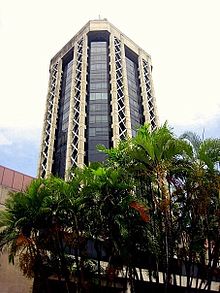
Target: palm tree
x=206, y=152
x=156, y=154
x=20, y=223
x=106, y=199
x=35, y=225
x=202, y=204
x=53, y=220
x=150, y=159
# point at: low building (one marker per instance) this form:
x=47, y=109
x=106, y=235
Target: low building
x=11, y=278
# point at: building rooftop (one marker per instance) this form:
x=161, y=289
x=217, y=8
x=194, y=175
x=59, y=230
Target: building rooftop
x=14, y=180
x=99, y=25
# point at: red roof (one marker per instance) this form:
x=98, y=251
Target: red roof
x=13, y=179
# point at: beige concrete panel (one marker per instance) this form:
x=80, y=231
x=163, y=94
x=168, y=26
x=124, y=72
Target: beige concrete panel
x=143, y=87
x=102, y=25
x=114, y=32
x=143, y=90
x=98, y=25
x=125, y=90
x=144, y=55
x=50, y=143
x=43, y=131
x=54, y=119
x=4, y=194
x=114, y=113
x=71, y=111
x=82, y=126
x=11, y=278
x=153, y=94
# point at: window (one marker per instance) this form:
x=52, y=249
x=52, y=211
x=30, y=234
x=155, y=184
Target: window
x=91, y=131
x=98, y=131
x=65, y=115
x=98, y=96
x=134, y=94
x=98, y=118
x=98, y=85
x=98, y=107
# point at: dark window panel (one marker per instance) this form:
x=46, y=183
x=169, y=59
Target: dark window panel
x=98, y=101
x=63, y=120
x=135, y=101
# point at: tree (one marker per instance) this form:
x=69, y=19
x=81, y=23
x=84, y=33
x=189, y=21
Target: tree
x=36, y=225
x=200, y=207
x=151, y=158
x=20, y=223
x=154, y=200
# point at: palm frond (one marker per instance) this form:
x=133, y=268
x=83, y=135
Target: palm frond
x=193, y=139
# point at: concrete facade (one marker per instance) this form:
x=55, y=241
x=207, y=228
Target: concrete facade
x=119, y=98
x=11, y=278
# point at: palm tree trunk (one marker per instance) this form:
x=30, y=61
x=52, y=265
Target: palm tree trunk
x=61, y=253
x=165, y=210
x=98, y=251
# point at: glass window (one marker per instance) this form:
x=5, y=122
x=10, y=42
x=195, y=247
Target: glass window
x=104, y=96
x=65, y=115
x=92, y=96
x=98, y=107
x=98, y=98
x=134, y=94
x=98, y=118
x=91, y=131
x=91, y=119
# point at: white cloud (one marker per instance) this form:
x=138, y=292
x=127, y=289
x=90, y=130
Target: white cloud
x=14, y=135
x=4, y=140
x=208, y=128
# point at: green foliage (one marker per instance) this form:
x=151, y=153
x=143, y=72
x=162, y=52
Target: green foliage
x=155, y=198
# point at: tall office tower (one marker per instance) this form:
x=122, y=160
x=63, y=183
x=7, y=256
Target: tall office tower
x=100, y=91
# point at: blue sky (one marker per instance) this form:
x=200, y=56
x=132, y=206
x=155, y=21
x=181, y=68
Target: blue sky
x=182, y=37
x=19, y=149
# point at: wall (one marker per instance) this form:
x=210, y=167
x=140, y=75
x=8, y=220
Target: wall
x=11, y=279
